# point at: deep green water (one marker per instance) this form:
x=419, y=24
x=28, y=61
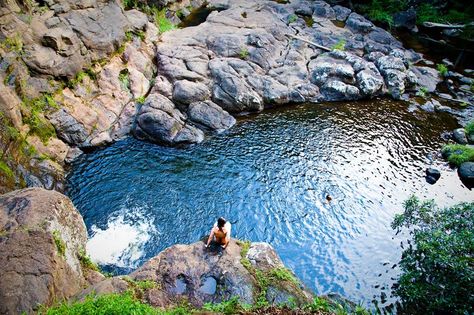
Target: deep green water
x=269, y=175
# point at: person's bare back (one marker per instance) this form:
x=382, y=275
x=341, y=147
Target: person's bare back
x=220, y=232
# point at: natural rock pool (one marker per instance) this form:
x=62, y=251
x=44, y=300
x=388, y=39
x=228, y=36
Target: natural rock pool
x=269, y=175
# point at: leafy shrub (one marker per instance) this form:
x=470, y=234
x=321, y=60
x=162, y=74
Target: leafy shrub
x=442, y=69
x=437, y=266
x=231, y=306
x=469, y=128
x=458, y=153
x=244, y=53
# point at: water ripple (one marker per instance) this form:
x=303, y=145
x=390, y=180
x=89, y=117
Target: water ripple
x=270, y=176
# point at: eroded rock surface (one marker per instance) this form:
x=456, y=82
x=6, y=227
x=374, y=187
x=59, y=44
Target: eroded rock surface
x=245, y=57
x=33, y=269
x=199, y=275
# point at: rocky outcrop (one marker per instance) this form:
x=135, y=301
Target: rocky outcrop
x=245, y=57
x=199, y=275
x=41, y=235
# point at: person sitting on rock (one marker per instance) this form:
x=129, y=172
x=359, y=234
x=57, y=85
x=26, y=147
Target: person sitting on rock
x=220, y=233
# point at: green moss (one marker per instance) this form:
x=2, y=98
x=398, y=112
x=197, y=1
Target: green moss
x=86, y=261
x=458, y=153
x=60, y=245
x=245, y=246
x=340, y=45
x=244, y=53
x=138, y=287
x=442, y=69
x=292, y=18
x=6, y=170
x=283, y=274
x=13, y=43
x=130, y=4
x=422, y=92
x=34, y=116
x=140, y=99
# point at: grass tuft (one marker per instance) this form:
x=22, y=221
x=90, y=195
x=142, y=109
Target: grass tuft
x=442, y=69
x=86, y=261
x=457, y=154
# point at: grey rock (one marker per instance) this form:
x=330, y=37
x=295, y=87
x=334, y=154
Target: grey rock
x=68, y=128
x=210, y=116
x=395, y=81
x=52, y=22
x=358, y=23
x=138, y=20
x=335, y=90
x=322, y=9
x=341, y=12
x=158, y=120
x=101, y=30
x=427, y=77
x=369, y=82
x=466, y=173
x=186, y=92
x=459, y=135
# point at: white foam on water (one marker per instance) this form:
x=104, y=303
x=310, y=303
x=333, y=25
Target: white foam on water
x=122, y=242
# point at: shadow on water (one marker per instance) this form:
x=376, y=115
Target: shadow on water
x=270, y=175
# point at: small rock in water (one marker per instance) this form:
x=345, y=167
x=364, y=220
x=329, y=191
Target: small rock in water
x=432, y=175
x=459, y=135
x=466, y=173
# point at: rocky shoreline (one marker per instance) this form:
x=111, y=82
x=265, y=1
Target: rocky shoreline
x=43, y=261
x=77, y=75
x=67, y=88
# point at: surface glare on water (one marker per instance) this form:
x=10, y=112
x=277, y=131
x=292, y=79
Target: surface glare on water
x=269, y=175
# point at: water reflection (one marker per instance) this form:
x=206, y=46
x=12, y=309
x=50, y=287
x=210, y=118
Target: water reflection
x=270, y=176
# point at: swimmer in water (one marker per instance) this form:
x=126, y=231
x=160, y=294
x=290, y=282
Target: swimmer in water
x=220, y=233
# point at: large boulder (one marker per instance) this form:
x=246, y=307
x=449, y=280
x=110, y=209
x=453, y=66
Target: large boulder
x=202, y=275
x=40, y=240
x=210, y=116
x=158, y=120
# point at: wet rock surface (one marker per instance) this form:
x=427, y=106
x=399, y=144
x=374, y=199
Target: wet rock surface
x=33, y=271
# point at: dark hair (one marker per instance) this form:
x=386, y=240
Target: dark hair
x=221, y=222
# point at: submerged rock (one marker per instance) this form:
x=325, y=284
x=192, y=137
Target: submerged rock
x=41, y=236
x=459, y=136
x=432, y=175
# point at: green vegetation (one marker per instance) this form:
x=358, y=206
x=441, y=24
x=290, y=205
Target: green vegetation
x=283, y=274
x=245, y=245
x=470, y=128
x=140, y=99
x=340, y=45
x=437, y=265
x=244, y=53
x=86, y=261
x=422, y=92
x=14, y=44
x=442, y=69
x=162, y=21
x=124, y=79
x=60, y=245
x=123, y=304
x=6, y=170
x=292, y=18
x=33, y=115
x=231, y=306
x=457, y=154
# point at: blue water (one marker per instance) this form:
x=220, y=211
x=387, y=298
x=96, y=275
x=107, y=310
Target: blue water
x=270, y=175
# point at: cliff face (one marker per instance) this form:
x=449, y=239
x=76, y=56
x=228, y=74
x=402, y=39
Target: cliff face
x=42, y=241
x=77, y=75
